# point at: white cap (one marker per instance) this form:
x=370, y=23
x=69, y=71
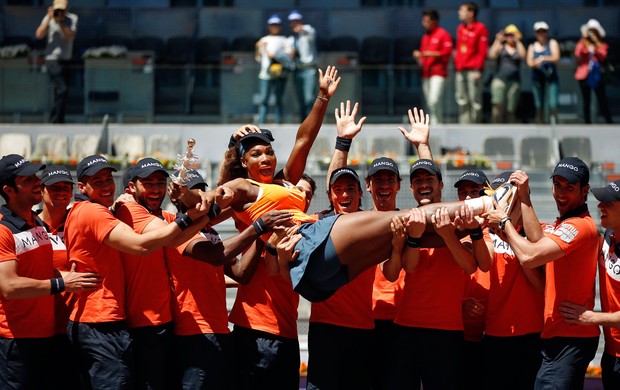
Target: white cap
x=274, y=19
x=593, y=24
x=295, y=15
x=540, y=25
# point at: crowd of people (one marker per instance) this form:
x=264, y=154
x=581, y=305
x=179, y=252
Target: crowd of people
x=470, y=50
x=477, y=293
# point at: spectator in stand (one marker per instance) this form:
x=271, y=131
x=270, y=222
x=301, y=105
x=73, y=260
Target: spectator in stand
x=591, y=53
x=609, y=278
x=272, y=75
x=542, y=55
x=508, y=50
x=433, y=56
x=304, y=52
x=60, y=28
x=472, y=41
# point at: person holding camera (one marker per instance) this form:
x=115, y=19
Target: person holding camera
x=542, y=55
x=508, y=50
x=591, y=54
x=60, y=27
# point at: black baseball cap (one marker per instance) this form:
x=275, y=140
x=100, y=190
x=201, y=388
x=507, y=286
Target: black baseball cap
x=53, y=174
x=500, y=179
x=13, y=165
x=247, y=140
x=427, y=165
x=572, y=169
x=147, y=166
x=91, y=165
x=473, y=175
x=128, y=176
x=344, y=171
x=609, y=193
x=383, y=164
x=194, y=179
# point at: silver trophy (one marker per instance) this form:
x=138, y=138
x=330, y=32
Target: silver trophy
x=184, y=163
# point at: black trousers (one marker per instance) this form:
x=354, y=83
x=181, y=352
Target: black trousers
x=58, y=72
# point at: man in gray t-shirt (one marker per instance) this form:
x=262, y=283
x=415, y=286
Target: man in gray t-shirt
x=59, y=28
x=304, y=51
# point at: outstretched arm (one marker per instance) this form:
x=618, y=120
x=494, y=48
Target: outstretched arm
x=445, y=228
x=392, y=266
x=419, y=134
x=309, y=129
x=581, y=315
x=347, y=130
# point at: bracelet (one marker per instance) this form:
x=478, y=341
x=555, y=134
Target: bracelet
x=183, y=221
x=271, y=249
x=343, y=144
x=214, y=211
x=260, y=227
x=502, y=223
x=58, y=285
x=414, y=242
x=476, y=234
x=323, y=99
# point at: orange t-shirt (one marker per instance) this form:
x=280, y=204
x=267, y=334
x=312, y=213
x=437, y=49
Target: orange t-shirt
x=199, y=289
x=477, y=287
x=64, y=300
x=30, y=248
x=87, y=225
x=350, y=306
x=433, y=293
x=285, y=197
x=609, y=274
x=266, y=303
x=386, y=295
x=571, y=278
x=147, y=286
x=515, y=307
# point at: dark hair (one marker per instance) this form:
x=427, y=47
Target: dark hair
x=431, y=13
x=231, y=167
x=471, y=6
x=310, y=181
x=8, y=182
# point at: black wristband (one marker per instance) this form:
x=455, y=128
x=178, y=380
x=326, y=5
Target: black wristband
x=214, y=211
x=343, y=144
x=502, y=223
x=271, y=249
x=414, y=242
x=58, y=285
x=260, y=227
x=232, y=141
x=476, y=234
x=183, y=221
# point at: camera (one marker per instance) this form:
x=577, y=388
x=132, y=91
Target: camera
x=58, y=12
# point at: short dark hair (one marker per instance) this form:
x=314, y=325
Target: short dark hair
x=472, y=7
x=431, y=13
x=310, y=181
x=8, y=182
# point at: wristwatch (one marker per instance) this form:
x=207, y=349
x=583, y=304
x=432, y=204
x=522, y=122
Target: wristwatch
x=502, y=223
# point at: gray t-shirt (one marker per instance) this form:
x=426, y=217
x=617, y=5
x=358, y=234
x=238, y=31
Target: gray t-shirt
x=305, y=44
x=59, y=48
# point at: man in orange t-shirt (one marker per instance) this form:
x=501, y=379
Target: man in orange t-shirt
x=609, y=278
x=94, y=240
x=28, y=281
x=341, y=325
x=569, y=250
x=512, y=325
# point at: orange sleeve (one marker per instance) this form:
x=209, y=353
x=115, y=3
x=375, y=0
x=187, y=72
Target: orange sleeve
x=567, y=235
x=7, y=245
x=100, y=221
x=134, y=215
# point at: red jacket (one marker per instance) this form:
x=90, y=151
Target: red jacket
x=437, y=40
x=583, y=58
x=472, y=43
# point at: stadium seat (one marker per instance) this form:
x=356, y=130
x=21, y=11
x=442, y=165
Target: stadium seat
x=163, y=146
x=12, y=40
x=150, y=43
x=535, y=152
x=16, y=143
x=178, y=50
x=117, y=40
x=83, y=145
x=209, y=49
x=343, y=43
x=244, y=44
x=501, y=150
x=129, y=146
x=321, y=152
x=359, y=151
x=51, y=145
x=375, y=50
x=391, y=147
x=577, y=147
x=403, y=49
